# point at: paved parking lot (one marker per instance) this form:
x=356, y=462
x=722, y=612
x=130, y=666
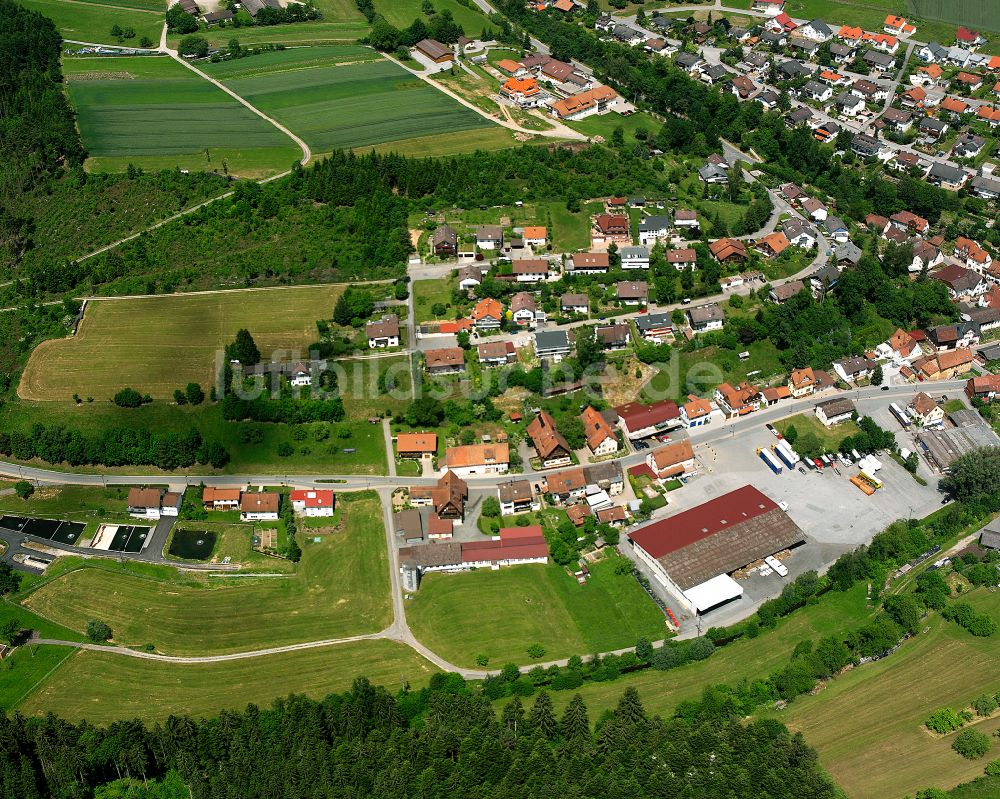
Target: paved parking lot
x=835, y=515
x=826, y=506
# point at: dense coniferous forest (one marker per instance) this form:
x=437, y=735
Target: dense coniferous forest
x=440, y=742
x=37, y=130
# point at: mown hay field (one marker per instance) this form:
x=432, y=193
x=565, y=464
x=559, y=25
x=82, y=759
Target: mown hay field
x=157, y=344
x=340, y=588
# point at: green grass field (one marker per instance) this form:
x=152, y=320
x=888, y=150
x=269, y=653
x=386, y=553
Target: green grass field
x=441, y=144
x=172, y=340
x=82, y=21
x=605, y=124
x=661, y=691
x=401, y=13
x=351, y=105
x=155, y=113
x=808, y=423
x=69, y=502
x=426, y=294
x=868, y=724
x=500, y=614
x=341, y=588
x=309, y=456
x=341, y=24
x=103, y=688
x=699, y=371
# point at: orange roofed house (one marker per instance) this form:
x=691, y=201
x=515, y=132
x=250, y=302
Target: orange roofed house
x=220, y=498
x=478, y=459
x=487, y=314
x=802, y=382
x=728, y=250
x=696, y=412
x=416, y=445
x=672, y=459
x=737, y=401
x=523, y=92
x=611, y=228
x=945, y=365
x=552, y=448
x=598, y=100
x=600, y=437
x=535, y=236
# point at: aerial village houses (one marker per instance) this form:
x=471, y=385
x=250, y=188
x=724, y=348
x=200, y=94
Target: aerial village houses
x=384, y=333
x=925, y=411
x=513, y=546
x=516, y=496
x=152, y=503
x=601, y=438
x=444, y=241
x=259, y=506
x=549, y=443
x=834, y=411
x=632, y=292
x=639, y=421
x=589, y=263
x=447, y=498
x=473, y=459
x=220, y=498
x=416, y=446
x=446, y=360
x=312, y=502
x=496, y=353
x=671, y=460
x=530, y=270
x=696, y=412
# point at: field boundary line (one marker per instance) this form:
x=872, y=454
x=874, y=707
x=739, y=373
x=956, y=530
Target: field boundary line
x=44, y=678
x=195, y=660
x=114, y=8
x=242, y=289
x=306, y=152
x=301, y=67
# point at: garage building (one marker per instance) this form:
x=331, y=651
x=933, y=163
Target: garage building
x=694, y=553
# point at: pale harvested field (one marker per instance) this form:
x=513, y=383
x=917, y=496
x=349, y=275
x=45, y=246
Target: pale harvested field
x=161, y=343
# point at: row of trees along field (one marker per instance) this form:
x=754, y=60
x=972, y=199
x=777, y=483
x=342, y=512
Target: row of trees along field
x=443, y=741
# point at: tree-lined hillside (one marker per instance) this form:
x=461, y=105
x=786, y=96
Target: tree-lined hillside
x=440, y=742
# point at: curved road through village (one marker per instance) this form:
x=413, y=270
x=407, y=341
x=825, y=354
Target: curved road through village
x=399, y=631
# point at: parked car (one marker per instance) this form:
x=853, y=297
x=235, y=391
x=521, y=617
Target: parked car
x=885, y=388
x=771, y=430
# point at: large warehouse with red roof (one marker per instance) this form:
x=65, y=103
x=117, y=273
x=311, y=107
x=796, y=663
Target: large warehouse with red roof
x=694, y=553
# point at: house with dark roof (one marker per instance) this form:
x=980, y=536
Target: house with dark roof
x=641, y=421
x=444, y=240
x=612, y=337
x=435, y=51
x=704, y=318
x=655, y=327
x=834, y=411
